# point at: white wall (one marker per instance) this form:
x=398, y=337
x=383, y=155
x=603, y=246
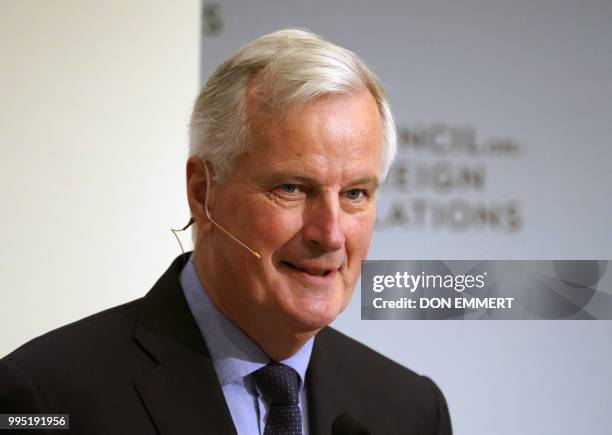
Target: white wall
x=95, y=102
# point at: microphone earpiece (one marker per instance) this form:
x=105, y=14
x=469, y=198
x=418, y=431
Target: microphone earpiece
x=174, y=231
x=190, y=223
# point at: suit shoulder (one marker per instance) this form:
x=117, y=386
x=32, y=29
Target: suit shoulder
x=368, y=368
x=348, y=349
x=85, y=335
x=389, y=384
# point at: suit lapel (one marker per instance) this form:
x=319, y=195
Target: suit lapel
x=182, y=393
x=329, y=396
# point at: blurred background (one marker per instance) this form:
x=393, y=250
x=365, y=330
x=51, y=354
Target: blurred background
x=504, y=114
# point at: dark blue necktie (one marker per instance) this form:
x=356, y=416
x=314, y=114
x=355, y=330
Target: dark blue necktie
x=280, y=386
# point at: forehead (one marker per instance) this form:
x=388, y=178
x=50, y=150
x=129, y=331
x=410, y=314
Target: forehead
x=337, y=136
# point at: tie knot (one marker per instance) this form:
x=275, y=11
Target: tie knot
x=280, y=384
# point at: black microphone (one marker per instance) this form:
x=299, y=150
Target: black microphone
x=344, y=424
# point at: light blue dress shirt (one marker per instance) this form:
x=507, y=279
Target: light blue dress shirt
x=235, y=357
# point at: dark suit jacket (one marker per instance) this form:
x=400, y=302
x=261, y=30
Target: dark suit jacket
x=143, y=368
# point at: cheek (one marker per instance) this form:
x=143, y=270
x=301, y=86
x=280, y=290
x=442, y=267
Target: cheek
x=274, y=227
x=358, y=237
x=357, y=246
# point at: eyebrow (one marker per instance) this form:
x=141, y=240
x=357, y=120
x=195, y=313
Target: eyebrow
x=372, y=182
x=276, y=177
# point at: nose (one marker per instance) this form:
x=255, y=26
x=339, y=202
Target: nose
x=322, y=223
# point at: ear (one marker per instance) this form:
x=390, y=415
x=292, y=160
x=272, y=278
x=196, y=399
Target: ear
x=197, y=186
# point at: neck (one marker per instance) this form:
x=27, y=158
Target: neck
x=278, y=347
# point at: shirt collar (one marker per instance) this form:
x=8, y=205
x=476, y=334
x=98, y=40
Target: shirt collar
x=234, y=354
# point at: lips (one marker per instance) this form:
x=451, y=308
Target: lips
x=309, y=269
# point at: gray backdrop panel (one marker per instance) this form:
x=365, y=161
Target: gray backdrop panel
x=505, y=115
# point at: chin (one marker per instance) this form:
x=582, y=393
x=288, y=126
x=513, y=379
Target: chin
x=313, y=316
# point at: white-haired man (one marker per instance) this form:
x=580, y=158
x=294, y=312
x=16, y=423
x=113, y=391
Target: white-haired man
x=290, y=139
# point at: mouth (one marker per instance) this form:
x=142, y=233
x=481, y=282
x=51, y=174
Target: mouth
x=312, y=271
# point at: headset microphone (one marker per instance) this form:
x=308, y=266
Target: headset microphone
x=192, y=220
x=256, y=254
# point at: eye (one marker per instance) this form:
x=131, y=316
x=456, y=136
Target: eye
x=288, y=188
x=289, y=191
x=355, y=194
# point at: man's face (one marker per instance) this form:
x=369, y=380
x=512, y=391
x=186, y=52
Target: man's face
x=304, y=199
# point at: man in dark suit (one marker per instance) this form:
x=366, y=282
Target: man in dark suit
x=290, y=139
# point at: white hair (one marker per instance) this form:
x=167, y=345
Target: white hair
x=293, y=67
